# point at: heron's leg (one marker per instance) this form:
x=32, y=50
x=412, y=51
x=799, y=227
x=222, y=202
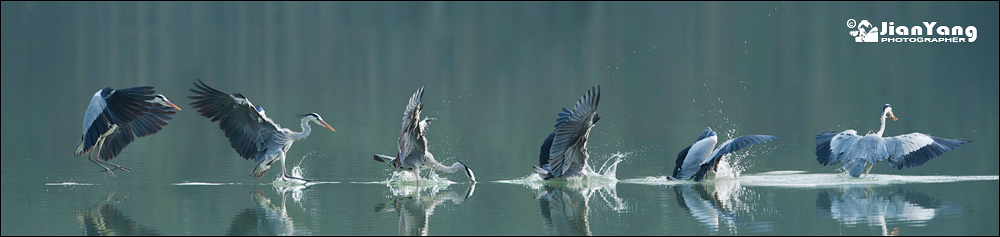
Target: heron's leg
x=868, y=167
x=98, y=161
x=284, y=173
x=100, y=145
x=91, y=158
x=416, y=169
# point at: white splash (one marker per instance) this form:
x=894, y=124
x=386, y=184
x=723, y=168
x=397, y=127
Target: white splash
x=68, y=184
x=801, y=179
x=188, y=183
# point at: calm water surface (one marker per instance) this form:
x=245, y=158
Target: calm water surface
x=495, y=75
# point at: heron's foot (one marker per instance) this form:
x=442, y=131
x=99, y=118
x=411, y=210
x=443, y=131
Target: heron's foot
x=289, y=178
x=111, y=173
x=117, y=167
x=126, y=169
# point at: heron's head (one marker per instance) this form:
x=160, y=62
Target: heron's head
x=707, y=133
x=887, y=111
x=106, y=92
x=161, y=99
x=314, y=117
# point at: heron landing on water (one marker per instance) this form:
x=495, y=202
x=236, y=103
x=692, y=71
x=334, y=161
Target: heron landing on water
x=861, y=153
x=698, y=159
x=564, y=152
x=115, y=118
x=252, y=134
x=413, y=154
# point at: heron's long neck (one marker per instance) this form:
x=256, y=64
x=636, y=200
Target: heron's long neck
x=306, y=129
x=449, y=169
x=882, y=128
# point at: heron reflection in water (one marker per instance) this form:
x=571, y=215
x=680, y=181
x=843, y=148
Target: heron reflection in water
x=415, y=207
x=715, y=206
x=861, y=153
x=565, y=208
x=104, y=219
x=879, y=207
x=266, y=218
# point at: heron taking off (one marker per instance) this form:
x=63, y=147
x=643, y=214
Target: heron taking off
x=115, y=118
x=862, y=152
x=564, y=152
x=252, y=135
x=413, y=154
x=698, y=159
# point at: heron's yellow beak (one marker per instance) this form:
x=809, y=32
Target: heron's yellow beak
x=173, y=105
x=327, y=125
x=892, y=116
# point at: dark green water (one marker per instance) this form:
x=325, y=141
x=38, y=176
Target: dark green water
x=495, y=75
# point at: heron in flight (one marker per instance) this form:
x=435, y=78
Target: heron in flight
x=413, y=154
x=115, y=118
x=564, y=152
x=862, y=152
x=252, y=134
x=698, y=159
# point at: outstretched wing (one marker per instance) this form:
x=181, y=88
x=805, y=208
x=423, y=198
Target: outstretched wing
x=250, y=133
x=727, y=147
x=109, y=106
x=411, y=136
x=830, y=146
x=912, y=150
x=571, y=126
x=693, y=156
x=150, y=123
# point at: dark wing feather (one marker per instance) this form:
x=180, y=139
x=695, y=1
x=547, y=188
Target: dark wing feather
x=543, y=155
x=125, y=105
x=914, y=149
x=152, y=122
x=250, y=133
x=120, y=106
x=411, y=137
x=730, y=146
x=823, y=152
x=570, y=129
x=680, y=160
x=830, y=146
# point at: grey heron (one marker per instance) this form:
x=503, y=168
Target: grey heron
x=412, y=143
x=862, y=152
x=564, y=152
x=698, y=159
x=115, y=118
x=252, y=134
